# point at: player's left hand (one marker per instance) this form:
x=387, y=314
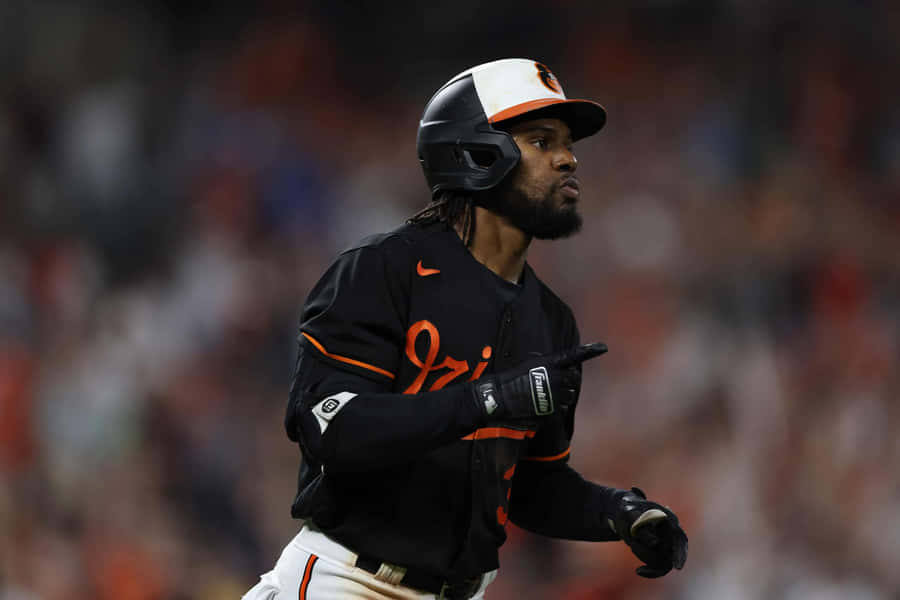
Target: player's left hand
x=536, y=387
x=651, y=531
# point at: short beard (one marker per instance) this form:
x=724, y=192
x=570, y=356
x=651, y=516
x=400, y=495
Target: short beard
x=537, y=218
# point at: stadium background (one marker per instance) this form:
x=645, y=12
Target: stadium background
x=174, y=176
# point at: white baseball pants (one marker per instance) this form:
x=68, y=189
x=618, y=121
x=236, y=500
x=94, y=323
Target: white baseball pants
x=315, y=567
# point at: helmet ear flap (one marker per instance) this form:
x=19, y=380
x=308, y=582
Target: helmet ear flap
x=458, y=148
x=479, y=158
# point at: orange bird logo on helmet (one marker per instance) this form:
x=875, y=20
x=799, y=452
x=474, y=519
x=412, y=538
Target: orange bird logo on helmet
x=548, y=78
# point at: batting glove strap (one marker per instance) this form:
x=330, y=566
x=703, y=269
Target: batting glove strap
x=522, y=396
x=651, y=531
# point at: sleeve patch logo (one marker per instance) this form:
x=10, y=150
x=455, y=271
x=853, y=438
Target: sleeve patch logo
x=325, y=410
x=329, y=405
x=540, y=391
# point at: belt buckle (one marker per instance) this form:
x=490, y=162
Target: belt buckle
x=445, y=587
x=461, y=590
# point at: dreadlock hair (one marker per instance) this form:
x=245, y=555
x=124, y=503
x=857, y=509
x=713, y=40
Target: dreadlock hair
x=456, y=209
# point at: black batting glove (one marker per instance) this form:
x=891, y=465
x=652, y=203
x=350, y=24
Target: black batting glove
x=651, y=531
x=535, y=388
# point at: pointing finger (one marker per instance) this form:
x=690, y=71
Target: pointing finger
x=580, y=354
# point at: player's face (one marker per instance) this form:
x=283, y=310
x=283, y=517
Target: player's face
x=541, y=194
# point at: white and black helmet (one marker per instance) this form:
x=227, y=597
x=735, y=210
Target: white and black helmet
x=459, y=147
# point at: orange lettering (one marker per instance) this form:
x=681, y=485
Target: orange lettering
x=479, y=368
x=457, y=367
x=502, y=516
x=434, y=342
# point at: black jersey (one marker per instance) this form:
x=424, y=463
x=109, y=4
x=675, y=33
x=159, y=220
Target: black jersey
x=409, y=312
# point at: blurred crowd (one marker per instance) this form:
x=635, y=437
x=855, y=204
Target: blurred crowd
x=174, y=177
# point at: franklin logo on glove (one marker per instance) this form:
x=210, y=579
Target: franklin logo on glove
x=540, y=391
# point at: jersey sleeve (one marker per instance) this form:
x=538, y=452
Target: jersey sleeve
x=354, y=317
x=343, y=409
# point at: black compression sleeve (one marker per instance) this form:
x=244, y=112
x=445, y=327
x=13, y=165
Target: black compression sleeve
x=376, y=430
x=552, y=499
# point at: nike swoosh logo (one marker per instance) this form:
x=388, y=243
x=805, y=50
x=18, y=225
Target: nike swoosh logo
x=423, y=272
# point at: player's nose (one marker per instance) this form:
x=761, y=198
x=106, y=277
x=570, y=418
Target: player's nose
x=564, y=160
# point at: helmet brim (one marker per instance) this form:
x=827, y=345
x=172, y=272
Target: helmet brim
x=584, y=117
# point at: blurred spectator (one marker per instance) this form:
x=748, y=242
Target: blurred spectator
x=173, y=176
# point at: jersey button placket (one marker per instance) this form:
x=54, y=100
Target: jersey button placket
x=507, y=321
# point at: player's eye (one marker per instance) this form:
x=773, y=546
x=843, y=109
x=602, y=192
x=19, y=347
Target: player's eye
x=540, y=143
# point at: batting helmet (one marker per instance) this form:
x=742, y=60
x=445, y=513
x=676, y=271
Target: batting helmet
x=458, y=144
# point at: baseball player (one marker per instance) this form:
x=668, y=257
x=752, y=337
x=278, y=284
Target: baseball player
x=437, y=378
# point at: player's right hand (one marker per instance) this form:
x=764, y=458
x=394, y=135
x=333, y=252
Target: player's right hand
x=535, y=388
